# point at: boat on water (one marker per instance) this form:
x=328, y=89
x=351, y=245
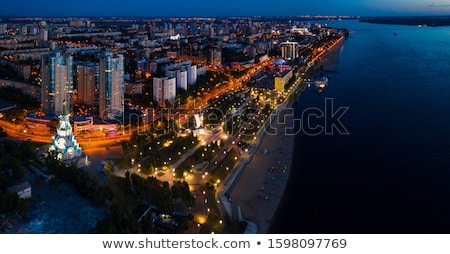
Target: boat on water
x=322, y=82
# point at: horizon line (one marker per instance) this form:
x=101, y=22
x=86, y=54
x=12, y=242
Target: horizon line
x=217, y=16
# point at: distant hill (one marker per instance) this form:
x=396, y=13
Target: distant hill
x=411, y=21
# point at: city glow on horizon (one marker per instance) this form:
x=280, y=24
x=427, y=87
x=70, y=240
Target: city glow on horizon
x=226, y=8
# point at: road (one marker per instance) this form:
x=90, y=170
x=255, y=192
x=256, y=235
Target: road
x=181, y=115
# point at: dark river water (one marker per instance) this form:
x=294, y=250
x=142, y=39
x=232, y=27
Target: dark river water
x=391, y=173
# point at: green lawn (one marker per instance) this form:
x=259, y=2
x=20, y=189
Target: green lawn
x=225, y=166
x=203, y=153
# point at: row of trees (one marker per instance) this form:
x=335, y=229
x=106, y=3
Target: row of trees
x=180, y=190
x=15, y=158
x=87, y=186
x=120, y=220
x=154, y=191
x=146, y=145
x=24, y=103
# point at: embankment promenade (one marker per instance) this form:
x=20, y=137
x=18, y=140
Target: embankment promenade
x=255, y=193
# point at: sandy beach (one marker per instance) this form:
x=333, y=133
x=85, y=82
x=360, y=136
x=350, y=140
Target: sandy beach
x=258, y=189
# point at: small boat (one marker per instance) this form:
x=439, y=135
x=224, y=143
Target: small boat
x=395, y=33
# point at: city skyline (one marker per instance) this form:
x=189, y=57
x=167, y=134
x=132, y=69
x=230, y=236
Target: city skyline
x=224, y=117
x=230, y=8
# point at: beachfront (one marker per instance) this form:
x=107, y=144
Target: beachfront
x=259, y=187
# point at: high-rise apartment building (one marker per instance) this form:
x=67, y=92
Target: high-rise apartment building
x=289, y=50
x=181, y=78
x=215, y=57
x=43, y=35
x=57, y=83
x=111, y=85
x=191, y=74
x=164, y=89
x=86, y=82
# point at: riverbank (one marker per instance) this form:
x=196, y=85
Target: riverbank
x=329, y=61
x=257, y=191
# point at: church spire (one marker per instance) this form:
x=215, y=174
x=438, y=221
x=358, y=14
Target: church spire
x=64, y=111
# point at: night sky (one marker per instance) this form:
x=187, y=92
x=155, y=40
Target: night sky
x=208, y=8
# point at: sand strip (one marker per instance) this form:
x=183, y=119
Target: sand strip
x=258, y=189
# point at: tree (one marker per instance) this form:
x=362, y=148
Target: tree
x=181, y=190
x=118, y=221
x=28, y=150
x=85, y=185
x=11, y=163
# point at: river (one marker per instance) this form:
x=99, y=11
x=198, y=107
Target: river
x=391, y=173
